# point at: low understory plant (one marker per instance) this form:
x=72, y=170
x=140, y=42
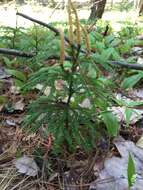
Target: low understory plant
x=74, y=98
x=75, y=79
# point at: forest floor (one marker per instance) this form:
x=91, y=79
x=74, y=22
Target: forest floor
x=14, y=143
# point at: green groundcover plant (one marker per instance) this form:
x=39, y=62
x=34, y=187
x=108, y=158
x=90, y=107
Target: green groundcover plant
x=74, y=98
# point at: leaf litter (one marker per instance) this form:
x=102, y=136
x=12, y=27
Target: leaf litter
x=26, y=165
x=110, y=173
x=115, y=168
x=4, y=74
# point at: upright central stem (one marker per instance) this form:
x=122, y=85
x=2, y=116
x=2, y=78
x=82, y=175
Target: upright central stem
x=73, y=70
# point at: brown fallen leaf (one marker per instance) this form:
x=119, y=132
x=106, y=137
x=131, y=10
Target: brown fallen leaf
x=19, y=105
x=26, y=165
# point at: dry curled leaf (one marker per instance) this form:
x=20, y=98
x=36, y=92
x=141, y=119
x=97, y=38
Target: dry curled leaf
x=4, y=74
x=27, y=166
x=140, y=142
x=85, y=103
x=19, y=105
x=14, y=90
x=114, y=173
x=59, y=84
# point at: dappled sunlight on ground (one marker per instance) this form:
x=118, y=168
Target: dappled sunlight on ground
x=117, y=17
x=8, y=15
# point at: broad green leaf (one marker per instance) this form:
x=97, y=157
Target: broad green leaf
x=131, y=171
x=106, y=54
x=115, y=42
x=7, y=61
x=131, y=104
x=19, y=83
x=135, y=103
x=100, y=46
x=18, y=74
x=111, y=123
x=131, y=81
x=3, y=99
x=67, y=65
x=98, y=36
x=91, y=72
x=128, y=114
x=109, y=39
x=115, y=55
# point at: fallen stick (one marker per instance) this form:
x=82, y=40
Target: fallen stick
x=16, y=53
x=127, y=65
x=56, y=57
x=117, y=63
